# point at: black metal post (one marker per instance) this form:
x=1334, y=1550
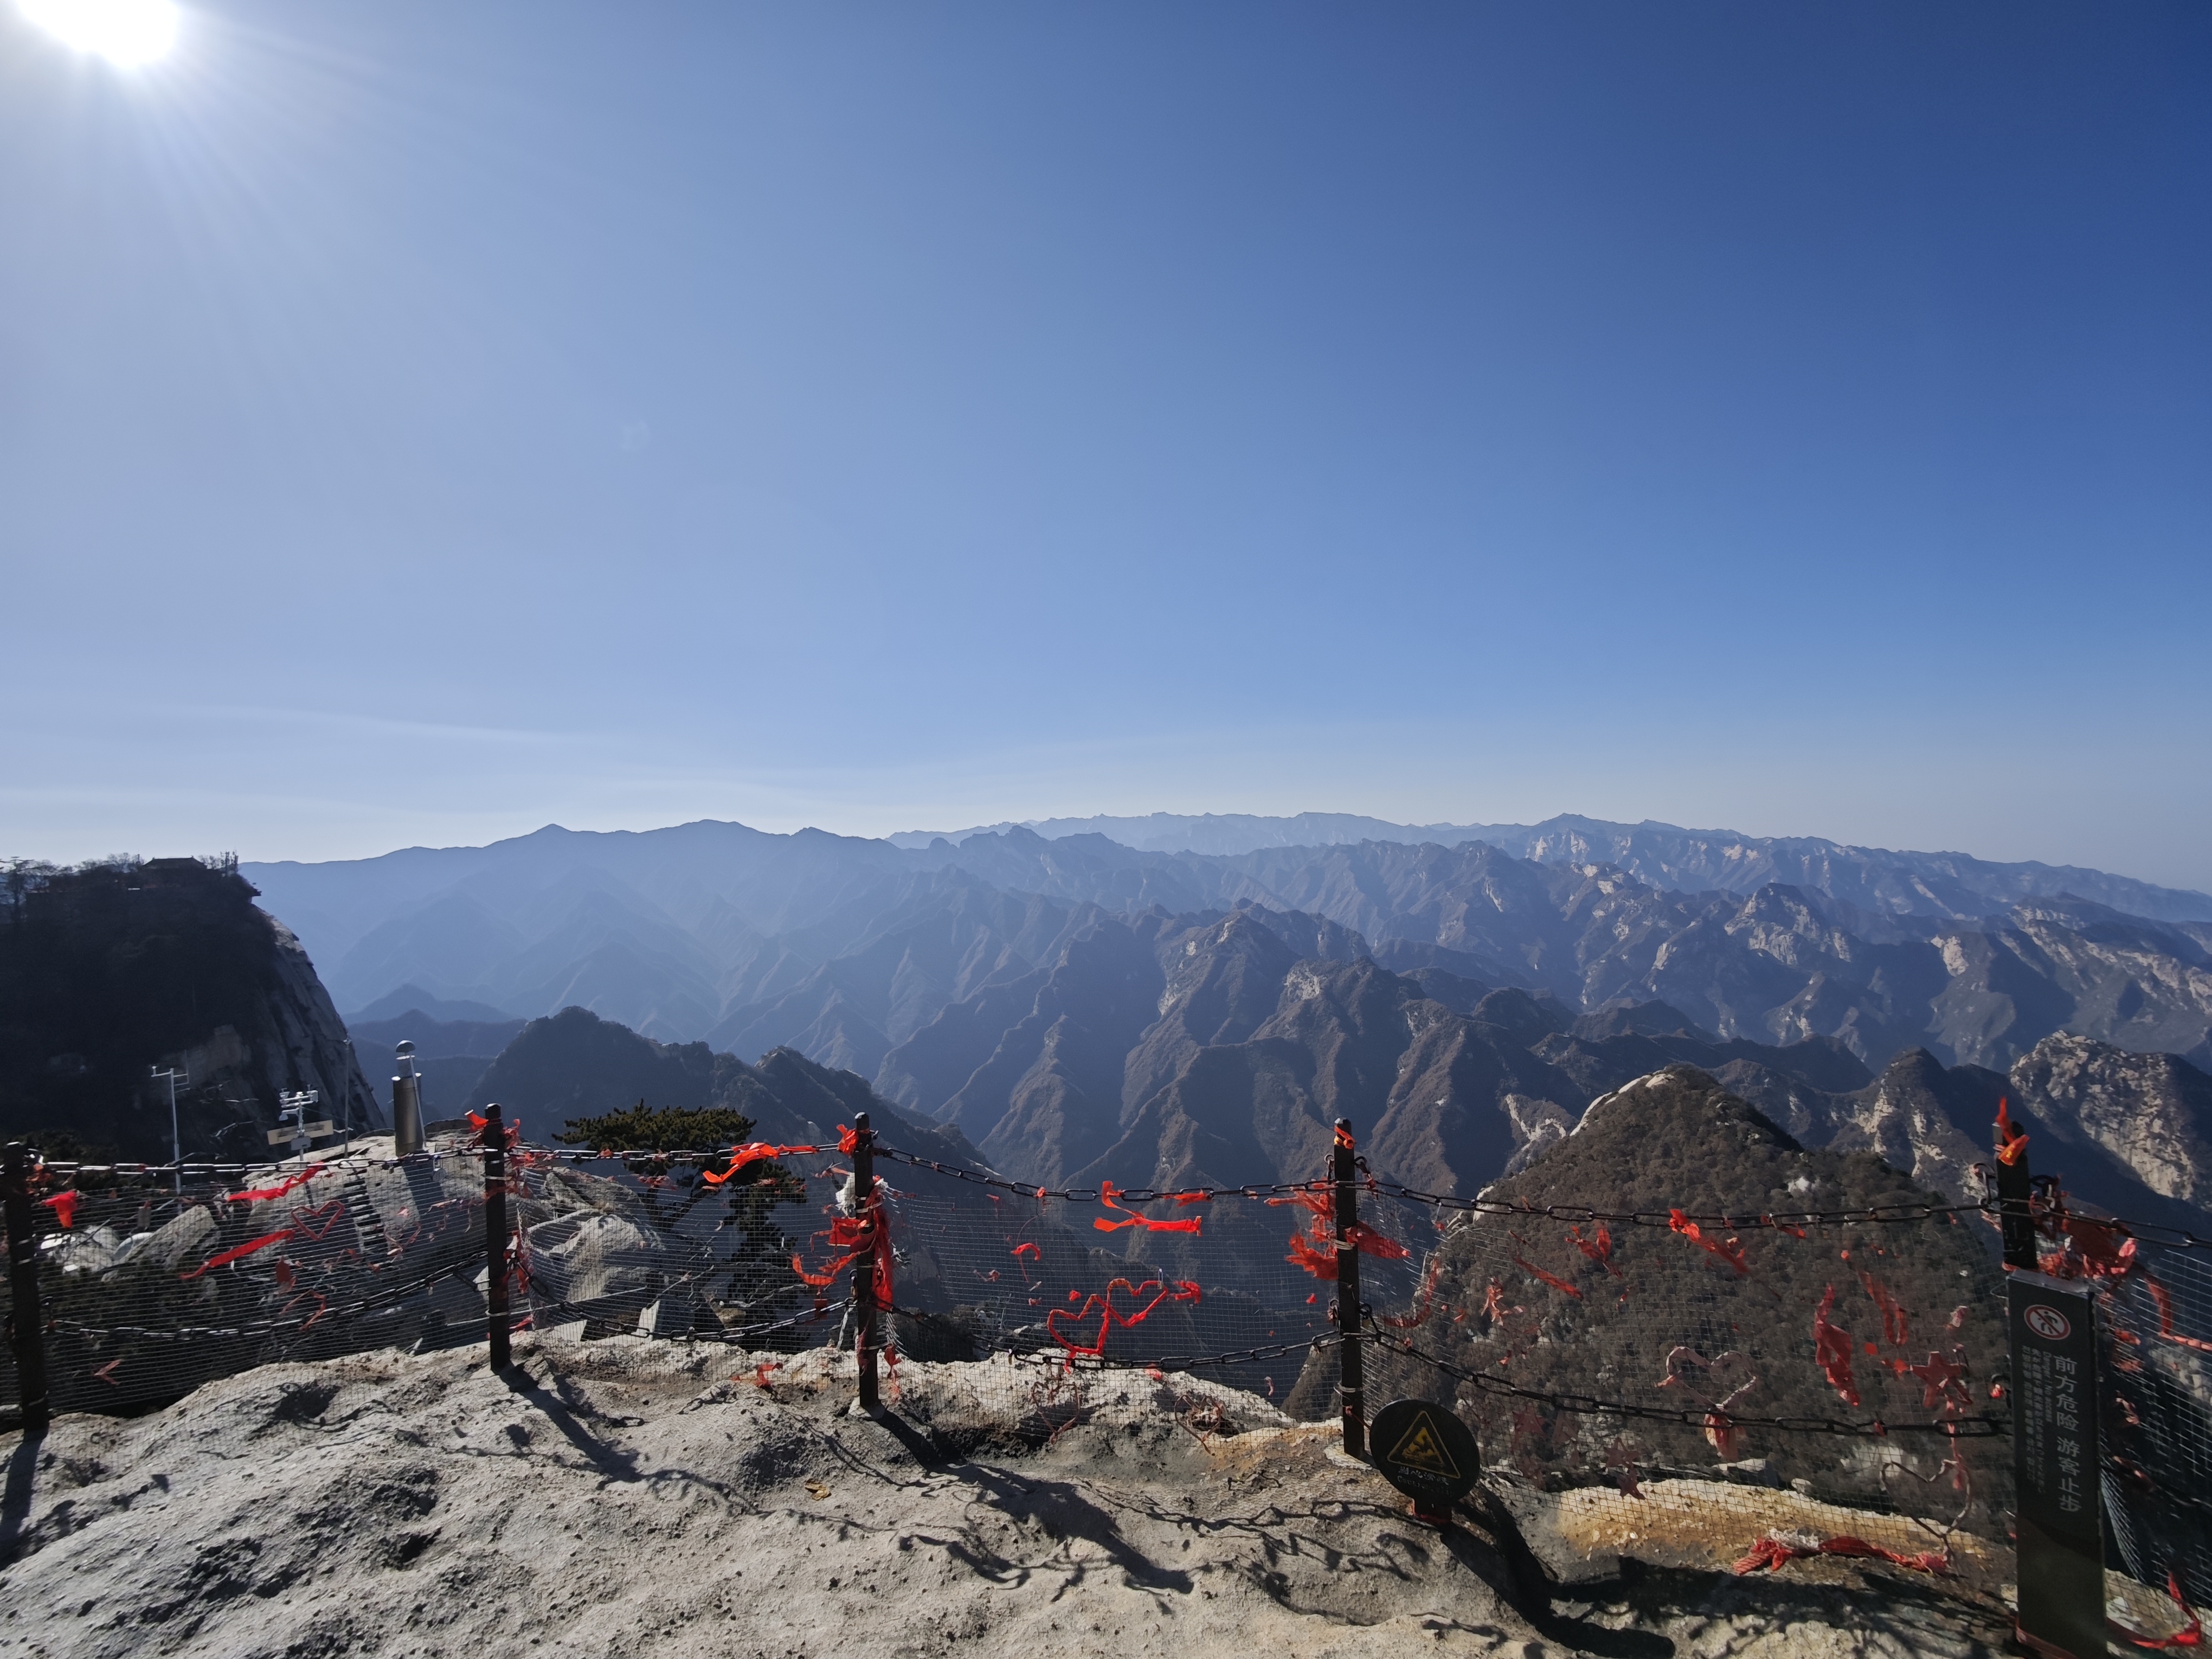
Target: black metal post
x=864, y=1263
x=493, y=1140
x=1351, y=1387
x=28, y=1318
x=2015, y=1185
x=2057, y=1526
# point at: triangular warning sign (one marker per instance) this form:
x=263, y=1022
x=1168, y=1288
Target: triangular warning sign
x=1424, y=1447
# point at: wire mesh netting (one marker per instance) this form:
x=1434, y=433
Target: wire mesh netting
x=1840, y=1374
x=2157, y=1418
x=152, y=1284
x=1634, y=1365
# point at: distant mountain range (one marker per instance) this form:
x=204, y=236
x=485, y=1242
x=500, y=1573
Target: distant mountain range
x=909, y=966
x=1949, y=884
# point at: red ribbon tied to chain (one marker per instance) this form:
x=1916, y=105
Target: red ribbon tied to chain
x=63, y=1205
x=1368, y=1241
x=1598, y=1250
x=1102, y=1304
x=288, y=1185
x=1728, y=1250
x=1107, y=1195
x=753, y=1152
x=856, y=1235
x=1311, y=1255
x=508, y=1135
x=2012, y=1139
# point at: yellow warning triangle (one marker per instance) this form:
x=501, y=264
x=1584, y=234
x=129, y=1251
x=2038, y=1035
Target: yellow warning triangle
x=1423, y=1448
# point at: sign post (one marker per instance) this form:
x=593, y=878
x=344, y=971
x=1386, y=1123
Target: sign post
x=2054, y=1417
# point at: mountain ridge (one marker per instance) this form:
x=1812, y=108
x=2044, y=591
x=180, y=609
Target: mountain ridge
x=848, y=950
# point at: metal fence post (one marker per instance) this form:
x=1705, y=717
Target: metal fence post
x=493, y=1139
x=27, y=1319
x=1351, y=1387
x=864, y=1260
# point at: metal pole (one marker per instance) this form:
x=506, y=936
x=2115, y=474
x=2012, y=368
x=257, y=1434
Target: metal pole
x=493, y=1142
x=2014, y=1187
x=406, y=1106
x=864, y=1263
x=176, y=1141
x=1352, y=1385
x=28, y=1321
x=345, y=1084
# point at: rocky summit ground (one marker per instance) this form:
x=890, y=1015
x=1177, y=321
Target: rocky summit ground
x=626, y=1497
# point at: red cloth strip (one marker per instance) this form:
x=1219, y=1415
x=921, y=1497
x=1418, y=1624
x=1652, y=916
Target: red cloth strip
x=242, y=1252
x=753, y=1152
x=289, y=1184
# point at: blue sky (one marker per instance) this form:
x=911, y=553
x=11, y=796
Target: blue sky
x=421, y=422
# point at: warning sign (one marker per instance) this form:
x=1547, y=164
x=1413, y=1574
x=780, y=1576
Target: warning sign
x=1424, y=1451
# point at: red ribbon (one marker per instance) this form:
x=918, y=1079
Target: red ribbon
x=1832, y=1351
x=2191, y=1635
x=240, y=1253
x=63, y=1205
x=754, y=1152
x=289, y=1184
x=1771, y=1552
x=1109, y=1317
x=1305, y=1253
x=1427, y=1305
x=1552, y=1280
x=1729, y=1250
x=1894, y=1328
x=2012, y=1139
x=1598, y=1250
x=1370, y=1242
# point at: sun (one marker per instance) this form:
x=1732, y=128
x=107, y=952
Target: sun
x=126, y=33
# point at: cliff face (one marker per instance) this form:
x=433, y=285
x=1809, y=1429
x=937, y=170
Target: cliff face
x=2151, y=1112
x=110, y=972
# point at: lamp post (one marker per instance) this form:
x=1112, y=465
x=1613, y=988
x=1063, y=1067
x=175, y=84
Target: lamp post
x=170, y=1074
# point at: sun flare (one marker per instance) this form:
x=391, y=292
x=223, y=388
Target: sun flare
x=126, y=33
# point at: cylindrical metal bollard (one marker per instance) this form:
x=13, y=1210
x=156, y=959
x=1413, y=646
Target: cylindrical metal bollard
x=406, y=1105
x=1351, y=1387
x=865, y=1207
x=26, y=1318
x=493, y=1142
